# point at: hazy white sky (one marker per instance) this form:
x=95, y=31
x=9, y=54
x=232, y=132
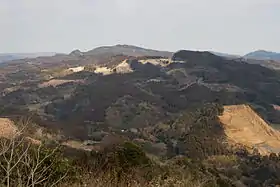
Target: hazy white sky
x=233, y=26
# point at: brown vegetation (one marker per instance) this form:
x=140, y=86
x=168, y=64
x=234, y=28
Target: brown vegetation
x=7, y=128
x=57, y=82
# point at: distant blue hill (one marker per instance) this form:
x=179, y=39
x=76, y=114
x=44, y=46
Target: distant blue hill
x=263, y=55
x=5, y=57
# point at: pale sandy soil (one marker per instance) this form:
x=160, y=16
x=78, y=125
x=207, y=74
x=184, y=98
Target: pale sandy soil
x=103, y=70
x=156, y=62
x=244, y=126
x=57, y=82
x=7, y=128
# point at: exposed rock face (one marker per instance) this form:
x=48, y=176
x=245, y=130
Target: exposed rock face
x=123, y=67
x=157, y=62
x=77, y=69
x=103, y=70
x=243, y=126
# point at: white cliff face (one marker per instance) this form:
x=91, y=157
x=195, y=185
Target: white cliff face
x=124, y=67
x=77, y=69
x=103, y=70
x=157, y=62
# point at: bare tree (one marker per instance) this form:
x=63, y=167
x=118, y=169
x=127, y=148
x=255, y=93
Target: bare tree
x=23, y=164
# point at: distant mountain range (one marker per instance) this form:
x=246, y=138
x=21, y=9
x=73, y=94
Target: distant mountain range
x=255, y=55
x=4, y=57
x=127, y=50
x=263, y=55
x=264, y=58
x=130, y=50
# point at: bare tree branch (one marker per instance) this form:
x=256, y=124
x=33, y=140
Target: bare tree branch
x=24, y=164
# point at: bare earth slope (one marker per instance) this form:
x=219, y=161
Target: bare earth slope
x=244, y=126
x=7, y=128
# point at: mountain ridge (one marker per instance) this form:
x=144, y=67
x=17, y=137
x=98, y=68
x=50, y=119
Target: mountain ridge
x=4, y=57
x=263, y=55
x=168, y=107
x=129, y=50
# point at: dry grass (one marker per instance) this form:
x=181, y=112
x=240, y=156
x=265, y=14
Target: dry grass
x=57, y=82
x=7, y=128
x=157, y=182
x=222, y=161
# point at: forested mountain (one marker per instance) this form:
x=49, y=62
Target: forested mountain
x=169, y=104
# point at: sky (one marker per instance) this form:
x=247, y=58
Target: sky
x=231, y=26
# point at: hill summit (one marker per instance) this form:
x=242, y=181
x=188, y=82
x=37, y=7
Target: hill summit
x=263, y=55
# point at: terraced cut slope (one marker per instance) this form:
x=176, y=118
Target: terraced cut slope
x=244, y=126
